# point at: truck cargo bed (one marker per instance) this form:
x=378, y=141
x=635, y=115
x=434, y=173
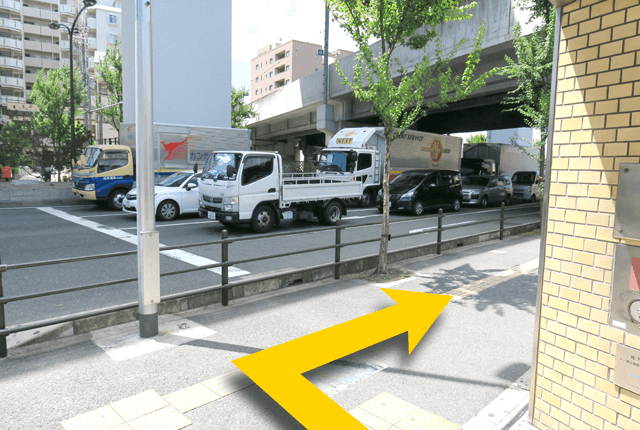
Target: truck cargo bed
x=303, y=187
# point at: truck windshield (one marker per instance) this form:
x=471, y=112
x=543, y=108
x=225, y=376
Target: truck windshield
x=333, y=161
x=175, y=180
x=91, y=156
x=470, y=180
x=217, y=163
x=524, y=178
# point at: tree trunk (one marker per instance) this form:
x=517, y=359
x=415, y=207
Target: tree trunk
x=384, y=242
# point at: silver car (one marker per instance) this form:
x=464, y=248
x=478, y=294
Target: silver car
x=485, y=190
x=526, y=186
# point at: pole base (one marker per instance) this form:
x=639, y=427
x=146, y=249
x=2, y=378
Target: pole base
x=148, y=325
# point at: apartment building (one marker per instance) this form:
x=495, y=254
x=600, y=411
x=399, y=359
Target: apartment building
x=276, y=66
x=28, y=45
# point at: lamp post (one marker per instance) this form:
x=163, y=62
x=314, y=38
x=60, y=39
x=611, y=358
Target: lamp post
x=57, y=26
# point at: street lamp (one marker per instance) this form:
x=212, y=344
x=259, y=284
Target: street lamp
x=57, y=26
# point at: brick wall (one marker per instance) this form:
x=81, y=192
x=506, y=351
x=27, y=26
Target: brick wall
x=597, y=127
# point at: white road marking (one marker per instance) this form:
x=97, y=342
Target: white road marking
x=111, y=214
x=424, y=230
x=359, y=217
x=173, y=224
x=181, y=255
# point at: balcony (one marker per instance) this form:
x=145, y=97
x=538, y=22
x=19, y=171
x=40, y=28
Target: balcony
x=41, y=46
x=30, y=78
x=65, y=9
x=32, y=12
x=10, y=24
x=92, y=23
x=10, y=63
x=5, y=42
x=92, y=43
x=12, y=99
x=40, y=29
x=41, y=62
x=6, y=81
x=64, y=45
x=10, y=5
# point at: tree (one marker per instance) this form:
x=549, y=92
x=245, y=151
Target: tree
x=110, y=72
x=477, y=138
x=51, y=120
x=239, y=110
x=15, y=142
x=397, y=93
x=532, y=71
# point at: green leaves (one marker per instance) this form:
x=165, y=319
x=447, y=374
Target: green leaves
x=110, y=72
x=240, y=111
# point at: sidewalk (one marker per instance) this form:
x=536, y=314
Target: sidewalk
x=35, y=192
x=184, y=378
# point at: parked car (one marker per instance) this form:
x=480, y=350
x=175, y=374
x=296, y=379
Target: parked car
x=417, y=190
x=526, y=186
x=485, y=190
x=175, y=195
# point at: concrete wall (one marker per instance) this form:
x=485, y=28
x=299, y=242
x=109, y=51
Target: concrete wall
x=597, y=127
x=191, y=62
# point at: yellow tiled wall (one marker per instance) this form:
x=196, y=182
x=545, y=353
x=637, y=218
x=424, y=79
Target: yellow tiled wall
x=597, y=127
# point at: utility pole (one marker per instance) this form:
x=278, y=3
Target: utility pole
x=326, y=52
x=148, y=238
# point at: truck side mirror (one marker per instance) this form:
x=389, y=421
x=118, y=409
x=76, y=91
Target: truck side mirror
x=231, y=171
x=195, y=168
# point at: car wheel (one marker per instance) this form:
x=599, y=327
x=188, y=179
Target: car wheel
x=455, y=205
x=418, y=208
x=332, y=213
x=366, y=200
x=263, y=219
x=484, y=202
x=507, y=200
x=380, y=210
x=167, y=211
x=115, y=199
x=533, y=198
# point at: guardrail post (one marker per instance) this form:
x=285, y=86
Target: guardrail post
x=337, y=250
x=3, y=338
x=501, y=220
x=439, y=242
x=225, y=268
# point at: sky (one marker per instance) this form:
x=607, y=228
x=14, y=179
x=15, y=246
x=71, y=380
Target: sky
x=258, y=23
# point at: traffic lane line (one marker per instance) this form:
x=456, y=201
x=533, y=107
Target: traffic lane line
x=186, y=257
x=176, y=224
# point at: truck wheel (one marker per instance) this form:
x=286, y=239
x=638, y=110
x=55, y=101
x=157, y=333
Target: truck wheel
x=366, y=200
x=380, y=210
x=263, y=219
x=507, y=200
x=332, y=213
x=418, y=208
x=484, y=202
x=167, y=211
x=533, y=198
x=455, y=205
x=115, y=199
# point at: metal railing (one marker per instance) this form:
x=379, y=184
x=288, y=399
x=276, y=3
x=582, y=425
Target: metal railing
x=225, y=263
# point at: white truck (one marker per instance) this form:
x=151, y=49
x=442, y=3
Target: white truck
x=238, y=187
x=366, y=147
x=508, y=159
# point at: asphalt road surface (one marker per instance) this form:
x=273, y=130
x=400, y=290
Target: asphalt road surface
x=39, y=234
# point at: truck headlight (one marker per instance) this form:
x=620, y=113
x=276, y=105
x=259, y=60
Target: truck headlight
x=230, y=201
x=407, y=196
x=90, y=187
x=380, y=193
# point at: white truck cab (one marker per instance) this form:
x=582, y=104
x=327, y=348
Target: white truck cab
x=250, y=187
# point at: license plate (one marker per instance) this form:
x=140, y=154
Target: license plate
x=212, y=215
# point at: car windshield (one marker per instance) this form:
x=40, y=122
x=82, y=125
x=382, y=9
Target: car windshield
x=524, y=178
x=471, y=180
x=217, y=163
x=409, y=178
x=175, y=180
x=333, y=161
x=91, y=156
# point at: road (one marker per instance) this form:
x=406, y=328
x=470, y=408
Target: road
x=37, y=234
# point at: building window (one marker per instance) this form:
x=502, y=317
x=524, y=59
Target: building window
x=256, y=92
x=286, y=82
x=288, y=53
x=113, y=19
x=256, y=67
x=112, y=38
x=288, y=66
x=256, y=79
x=271, y=61
x=270, y=74
x=270, y=87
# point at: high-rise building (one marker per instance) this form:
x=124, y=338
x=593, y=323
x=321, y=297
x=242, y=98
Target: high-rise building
x=276, y=66
x=28, y=45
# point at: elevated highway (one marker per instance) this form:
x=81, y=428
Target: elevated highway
x=287, y=120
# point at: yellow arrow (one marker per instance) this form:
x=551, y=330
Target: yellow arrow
x=278, y=370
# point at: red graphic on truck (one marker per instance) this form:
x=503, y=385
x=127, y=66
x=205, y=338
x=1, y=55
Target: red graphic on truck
x=176, y=150
x=634, y=282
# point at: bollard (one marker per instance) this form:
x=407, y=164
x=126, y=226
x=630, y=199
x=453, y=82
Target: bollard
x=338, y=241
x=225, y=268
x=501, y=220
x=439, y=244
x=3, y=338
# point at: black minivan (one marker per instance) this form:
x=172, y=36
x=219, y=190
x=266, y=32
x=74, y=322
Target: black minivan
x=416, y=190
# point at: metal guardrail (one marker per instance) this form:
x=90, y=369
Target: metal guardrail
x=225, y=286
